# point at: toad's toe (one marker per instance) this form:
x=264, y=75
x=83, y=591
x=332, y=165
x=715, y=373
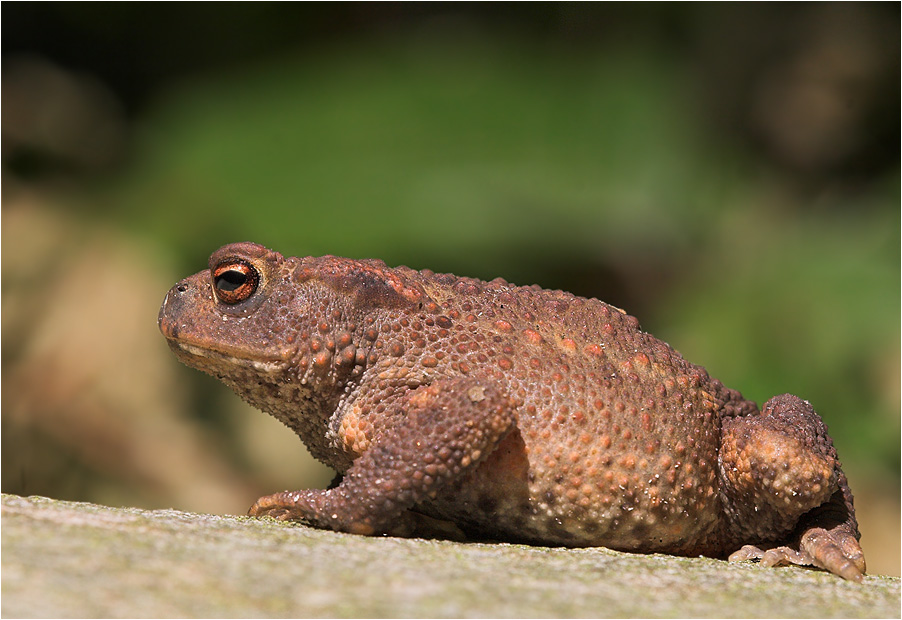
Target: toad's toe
x=776, y=556
x=837, y=551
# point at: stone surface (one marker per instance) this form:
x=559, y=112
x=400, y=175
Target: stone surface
x=80, y=560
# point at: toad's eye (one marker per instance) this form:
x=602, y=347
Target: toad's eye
x=235, y=281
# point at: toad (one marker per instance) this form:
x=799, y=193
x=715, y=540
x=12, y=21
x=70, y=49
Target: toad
x=515, y=413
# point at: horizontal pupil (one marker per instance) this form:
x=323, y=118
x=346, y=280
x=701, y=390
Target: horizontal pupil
x=230, y=281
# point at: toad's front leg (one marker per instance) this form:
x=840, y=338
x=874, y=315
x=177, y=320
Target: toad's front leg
x=438, y=432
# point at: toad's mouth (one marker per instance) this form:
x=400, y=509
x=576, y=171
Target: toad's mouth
x=202, y=358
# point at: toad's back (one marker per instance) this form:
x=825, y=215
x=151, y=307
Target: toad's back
x=616, y=437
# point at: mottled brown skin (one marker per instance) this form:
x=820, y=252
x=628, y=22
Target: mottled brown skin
x=516, y=413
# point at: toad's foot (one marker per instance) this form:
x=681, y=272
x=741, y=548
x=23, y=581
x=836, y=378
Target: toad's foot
x=297, y=506
x=836, y=550
x=783, y=485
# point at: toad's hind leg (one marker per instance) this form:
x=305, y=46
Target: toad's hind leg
x=437, y=433
x=785, y=495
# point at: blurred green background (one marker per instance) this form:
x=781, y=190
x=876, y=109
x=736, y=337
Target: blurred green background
x=728, y=173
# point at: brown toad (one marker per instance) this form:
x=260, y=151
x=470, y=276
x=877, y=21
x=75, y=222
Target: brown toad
x=516, y=413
